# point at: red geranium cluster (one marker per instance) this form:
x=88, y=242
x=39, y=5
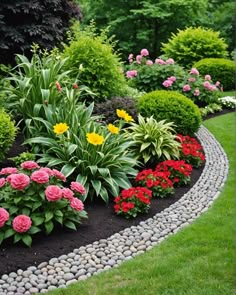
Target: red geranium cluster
x=179, y=171
x=191, y=151
x=133, y=201
x=158, y=182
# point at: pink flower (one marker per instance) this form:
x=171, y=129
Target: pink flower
x=67, y=193
x=217, y=83
x=191, y=79
x=77, y=187
x=144, y=52
x=4, y=216
x=58, y=86
x=194, y=71
x=131, y=74
x=186, y=88
x=21, y=223
x=131, y=56
x=212, y=88
x=170, y=61
x=53, y=193
x=160, y=61
x=58, y=175
x=208, y=77
x=75, y=86
x=206, y=84
x=77, y=204
x=19, y=181
x=149, y=62
x=138, y=59
x=167, y=83
x=47, y=170
x=172, y=78
x=2, y=182
x=40, y=176
x=8, y=170
x=196, y=92
x=29, y=165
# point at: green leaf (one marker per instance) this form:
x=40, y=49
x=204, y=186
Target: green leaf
x=33, y=230
x=26, y=211
x=48, y=227
x=81, y=178
x=36, y=205
x=68, y=169
x=104, y=172
x=8, y=233
x=37, y=220
x=1, y=237
x=48, y=216
x=70, y=225
x=93, y=169
x=59, y=219
x=104, y=194
x=72, y=148
x=58, y=213
x=27, y=240
x=17, y=237
x=144, y=146
x=96, y=185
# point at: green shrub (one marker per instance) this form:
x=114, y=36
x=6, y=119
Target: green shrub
x=107, y=109
x=193, y=44
x=7, y=133
x=173, y=107
x=101, y=67
x=220, y=69
x=153, y=140
x=25, y=156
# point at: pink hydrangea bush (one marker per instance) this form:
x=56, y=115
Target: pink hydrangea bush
x=33, y=199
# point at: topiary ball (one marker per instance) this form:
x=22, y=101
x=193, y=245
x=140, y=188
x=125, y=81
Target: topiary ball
x=173, y=107
x=220, y=69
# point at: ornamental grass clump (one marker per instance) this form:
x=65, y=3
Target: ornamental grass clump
x=33, y=199
x=191, y=151
x=158, y=182
x=133, y=201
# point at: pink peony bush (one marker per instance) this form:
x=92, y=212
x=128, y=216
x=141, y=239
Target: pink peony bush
x=33, y=199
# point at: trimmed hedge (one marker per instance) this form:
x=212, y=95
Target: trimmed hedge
x=173, y=107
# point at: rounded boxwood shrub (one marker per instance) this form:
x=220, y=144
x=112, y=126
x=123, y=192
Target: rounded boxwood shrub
x=7, y=133
x=173, y=107
x=193, y=44
x=220, y=69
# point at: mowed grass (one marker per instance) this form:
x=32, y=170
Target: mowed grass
x=199, y=260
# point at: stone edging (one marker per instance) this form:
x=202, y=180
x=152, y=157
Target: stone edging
x=107, y=253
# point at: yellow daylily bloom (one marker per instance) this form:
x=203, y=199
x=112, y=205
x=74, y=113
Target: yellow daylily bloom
x=60, y=128
x=113, y=129
x=128, y=118
x=95, y=138
x=121, y=113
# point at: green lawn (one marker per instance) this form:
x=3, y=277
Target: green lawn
x=228, y=93
x=199, y=260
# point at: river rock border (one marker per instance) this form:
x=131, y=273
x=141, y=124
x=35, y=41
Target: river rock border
x=107, y=253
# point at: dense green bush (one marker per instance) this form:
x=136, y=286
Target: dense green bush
x=23, y=23
x=192, y=44
x=108, y=108
x=220, y=69
x=7, y=133
x=101, y=67
x=173, y=107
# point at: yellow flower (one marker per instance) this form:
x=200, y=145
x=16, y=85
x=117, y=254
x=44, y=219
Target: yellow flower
x=128, y=118
x=60, y=128
x=113, y=129
x=94, y=138
x=121, y=113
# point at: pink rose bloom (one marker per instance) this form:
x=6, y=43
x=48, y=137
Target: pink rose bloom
x=160, y=61
x=131, y=56
x=170, y=61
x=217, y=83
x=196, y=92
x=77, y=204
x=144, y=52
x=138, y=59
x=47, y=170
x=172, y=78
x=206, y=84
x=167, y=83
x=21, y=223
x=19, y=181
x=58, y=175
x=8, y=170
x=29, y=165
x=53, y=193
x=194, y=71
x=40, y=176
x=131, y=74
x=149, y=62
x=191, y=79
x=67, y=193
x=212, y=88
x=2, y=182
x=77, y=187
x=4, y=217
x=186, y=88
x=207, y=77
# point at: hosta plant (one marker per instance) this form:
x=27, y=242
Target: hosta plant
x=191, y=150
x=158, y=182
x=153, y=140
x=179, y=171
x=33, y=199
x=133, y=201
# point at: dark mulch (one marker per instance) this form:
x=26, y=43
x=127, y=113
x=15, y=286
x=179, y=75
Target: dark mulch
x=102, y=223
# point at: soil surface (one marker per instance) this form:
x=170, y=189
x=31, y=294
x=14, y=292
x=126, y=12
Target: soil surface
x=102, y=223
